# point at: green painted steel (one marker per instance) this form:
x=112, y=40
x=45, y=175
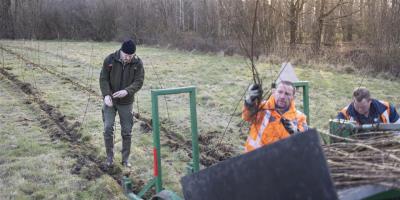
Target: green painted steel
x=159, y=92
x=147, y=187
x=156, y=139
x=193, y=123
x=194, y=165
x=156, y=128
x=346, y=128
x=306, y=98
x=189, y=168
x=164, y=194
x=127, y=188
x=391, y=194
x=167, y=195
x=342, y=128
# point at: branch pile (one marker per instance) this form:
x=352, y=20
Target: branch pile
x=361, y=161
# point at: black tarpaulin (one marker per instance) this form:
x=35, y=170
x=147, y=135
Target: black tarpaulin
x=293, y=168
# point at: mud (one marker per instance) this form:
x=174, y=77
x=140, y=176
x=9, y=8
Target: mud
x=211, y=152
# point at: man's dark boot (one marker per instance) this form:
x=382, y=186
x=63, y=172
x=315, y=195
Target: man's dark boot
x=126, y=150
x=109, y=143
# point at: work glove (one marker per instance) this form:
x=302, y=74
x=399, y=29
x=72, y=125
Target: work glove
x=253, y=92
x=120, y=94
x=108, y=101
x=289, y=126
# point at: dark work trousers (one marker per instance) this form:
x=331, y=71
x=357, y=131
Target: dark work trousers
x=126, y=120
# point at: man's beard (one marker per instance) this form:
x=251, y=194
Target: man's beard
x=282, y=108
x=127, y=61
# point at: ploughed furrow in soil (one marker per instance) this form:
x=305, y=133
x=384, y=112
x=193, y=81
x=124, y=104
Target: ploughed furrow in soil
x=55, y=55
x=62, y=76
x=209, y=154
x=88, y=162
x=80, y=86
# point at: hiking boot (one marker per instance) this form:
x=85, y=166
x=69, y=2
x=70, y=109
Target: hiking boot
x=109, y=161
x=109, y=143
x=126, y=148
x=126, y=164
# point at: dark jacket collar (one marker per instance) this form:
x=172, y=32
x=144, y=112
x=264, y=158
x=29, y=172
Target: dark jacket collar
x=117, y=57
x=376, y=108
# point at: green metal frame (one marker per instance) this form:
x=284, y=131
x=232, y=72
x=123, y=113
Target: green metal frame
x=156, y=129
x=346, y=128
x=342, y=128
x=194, y=166
x=306, y=98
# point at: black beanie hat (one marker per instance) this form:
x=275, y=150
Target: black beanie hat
x=128, y=47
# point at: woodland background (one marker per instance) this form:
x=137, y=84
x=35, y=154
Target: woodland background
x=363, y=32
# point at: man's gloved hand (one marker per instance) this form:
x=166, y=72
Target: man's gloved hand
x=289, y=126
x=254, y=92
x=120, y=94
x=108, y=101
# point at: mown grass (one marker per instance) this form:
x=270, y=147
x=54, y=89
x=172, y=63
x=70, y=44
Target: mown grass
x=220, y=83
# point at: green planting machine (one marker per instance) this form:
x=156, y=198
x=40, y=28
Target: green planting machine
x=345, y=128
x=256, y=172
x=192, y=167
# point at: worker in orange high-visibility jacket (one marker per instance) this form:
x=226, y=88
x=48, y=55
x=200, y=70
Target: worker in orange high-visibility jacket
x=366, y=110
x=273, y=119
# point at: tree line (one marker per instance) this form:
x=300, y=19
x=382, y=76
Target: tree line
x=213, y=25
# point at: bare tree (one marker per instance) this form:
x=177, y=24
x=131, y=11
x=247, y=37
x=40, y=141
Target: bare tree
x=211, y=25
x=5, y=19
x=322, y=12
x=295, y=9
x=346, y=23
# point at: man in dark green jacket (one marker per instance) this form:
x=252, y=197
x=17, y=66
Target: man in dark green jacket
x=121, y=77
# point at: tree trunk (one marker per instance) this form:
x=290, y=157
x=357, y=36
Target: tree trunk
x=349, y=25
x=5, y=19
x=346, y=23
x=292, y=23
x=320, y=8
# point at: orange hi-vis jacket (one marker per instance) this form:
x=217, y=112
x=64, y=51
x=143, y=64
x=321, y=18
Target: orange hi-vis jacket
x=266, y=126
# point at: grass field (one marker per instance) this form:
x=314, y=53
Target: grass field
x=64, y=76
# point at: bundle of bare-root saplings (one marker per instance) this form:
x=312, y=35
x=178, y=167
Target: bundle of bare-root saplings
x=357, y=161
